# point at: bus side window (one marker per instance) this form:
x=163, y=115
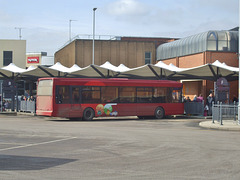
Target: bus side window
x=109, y=94
x=91, y=94
x=160, y=95
x=127, y=94
x=176, y=95
x=59, y=96
x=62, y=95
x=75, y=95
x=144, y=95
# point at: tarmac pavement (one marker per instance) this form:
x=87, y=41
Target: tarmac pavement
x=228, y=125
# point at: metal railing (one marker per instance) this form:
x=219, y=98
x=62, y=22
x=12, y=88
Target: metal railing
x=27, y=106
x=224, y=111
x=194, y=108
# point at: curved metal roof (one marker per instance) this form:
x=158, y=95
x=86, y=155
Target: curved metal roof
x=226, y=41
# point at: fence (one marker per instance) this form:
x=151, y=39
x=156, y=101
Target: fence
x=224, y=111
x=27, y=106
x=194, y=108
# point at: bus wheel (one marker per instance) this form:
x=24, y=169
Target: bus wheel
x=159, y=113
x=88, y=114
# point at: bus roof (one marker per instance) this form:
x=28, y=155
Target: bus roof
x=113, y=82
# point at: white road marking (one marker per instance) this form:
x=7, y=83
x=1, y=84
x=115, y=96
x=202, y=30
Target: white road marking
x=36, y=144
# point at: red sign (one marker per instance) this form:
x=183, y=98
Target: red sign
x=32, y=59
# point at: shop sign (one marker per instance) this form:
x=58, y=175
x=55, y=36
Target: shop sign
x=32, y=59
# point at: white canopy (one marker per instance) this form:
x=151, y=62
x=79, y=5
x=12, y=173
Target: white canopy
x=59, y=67
x=123, y=68
x=210, y=72
x=13, y=68
x=158, y=71
x=147, y=71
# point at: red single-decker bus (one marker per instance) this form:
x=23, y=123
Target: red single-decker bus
x=87, y=98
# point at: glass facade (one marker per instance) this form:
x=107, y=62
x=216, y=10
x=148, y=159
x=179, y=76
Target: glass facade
x=225, y=41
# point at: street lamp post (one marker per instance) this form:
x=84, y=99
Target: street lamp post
x=70, y=31
x=94, y=9
x=20, y=32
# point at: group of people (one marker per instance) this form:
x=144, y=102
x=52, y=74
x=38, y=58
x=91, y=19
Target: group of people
x=25, y=98
x=5, y=104
x=195, y=99
x=209, y=100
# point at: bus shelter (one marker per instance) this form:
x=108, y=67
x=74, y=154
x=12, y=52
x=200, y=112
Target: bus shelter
x=212, y=72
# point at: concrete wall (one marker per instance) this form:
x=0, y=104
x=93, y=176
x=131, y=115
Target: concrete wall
x=67, y=55
x=18, y=48
x=129, y=53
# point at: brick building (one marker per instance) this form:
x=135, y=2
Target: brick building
x=198, y=50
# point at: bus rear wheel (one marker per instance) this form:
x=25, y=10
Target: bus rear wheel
x=88, y=114
x=159, y=113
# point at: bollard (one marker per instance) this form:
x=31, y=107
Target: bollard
x=234, y=104
x=221, y=114
x=213, y=111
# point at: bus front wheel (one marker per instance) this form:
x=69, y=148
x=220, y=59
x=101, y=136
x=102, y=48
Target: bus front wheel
x=88, y=114
x=159, y=113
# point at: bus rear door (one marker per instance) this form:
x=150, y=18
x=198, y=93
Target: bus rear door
x=76, y=107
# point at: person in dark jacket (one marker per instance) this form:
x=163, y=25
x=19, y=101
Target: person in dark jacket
x=209, y=101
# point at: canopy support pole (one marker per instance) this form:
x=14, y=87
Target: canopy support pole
x=101, y=74
x=4, y=75
x=48, y=73
x=154, y=72
x=214, y=74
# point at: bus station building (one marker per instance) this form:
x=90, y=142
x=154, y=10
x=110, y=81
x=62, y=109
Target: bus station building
x=188, y=52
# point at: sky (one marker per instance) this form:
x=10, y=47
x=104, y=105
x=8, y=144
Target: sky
x=45, y=23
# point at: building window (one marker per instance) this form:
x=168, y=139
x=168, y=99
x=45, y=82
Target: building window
x=212, y=42
x=148, y=57
x=7, y=57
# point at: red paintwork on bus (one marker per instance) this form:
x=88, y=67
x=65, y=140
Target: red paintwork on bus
x=44, y=105
x=48, y=107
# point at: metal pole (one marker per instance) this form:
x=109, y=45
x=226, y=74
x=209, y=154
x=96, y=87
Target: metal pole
x=221, y=114
x=234, y=110
x=94, y=9
x=20, y=32
x=1, y=97
x=214, y=107
x=70, y=29
x=239, y=67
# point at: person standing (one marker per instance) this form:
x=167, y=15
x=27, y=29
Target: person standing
x=209, y=101
x=200, y=98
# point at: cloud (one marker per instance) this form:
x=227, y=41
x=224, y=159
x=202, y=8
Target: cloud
x=133, y=12
x=127, y=8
